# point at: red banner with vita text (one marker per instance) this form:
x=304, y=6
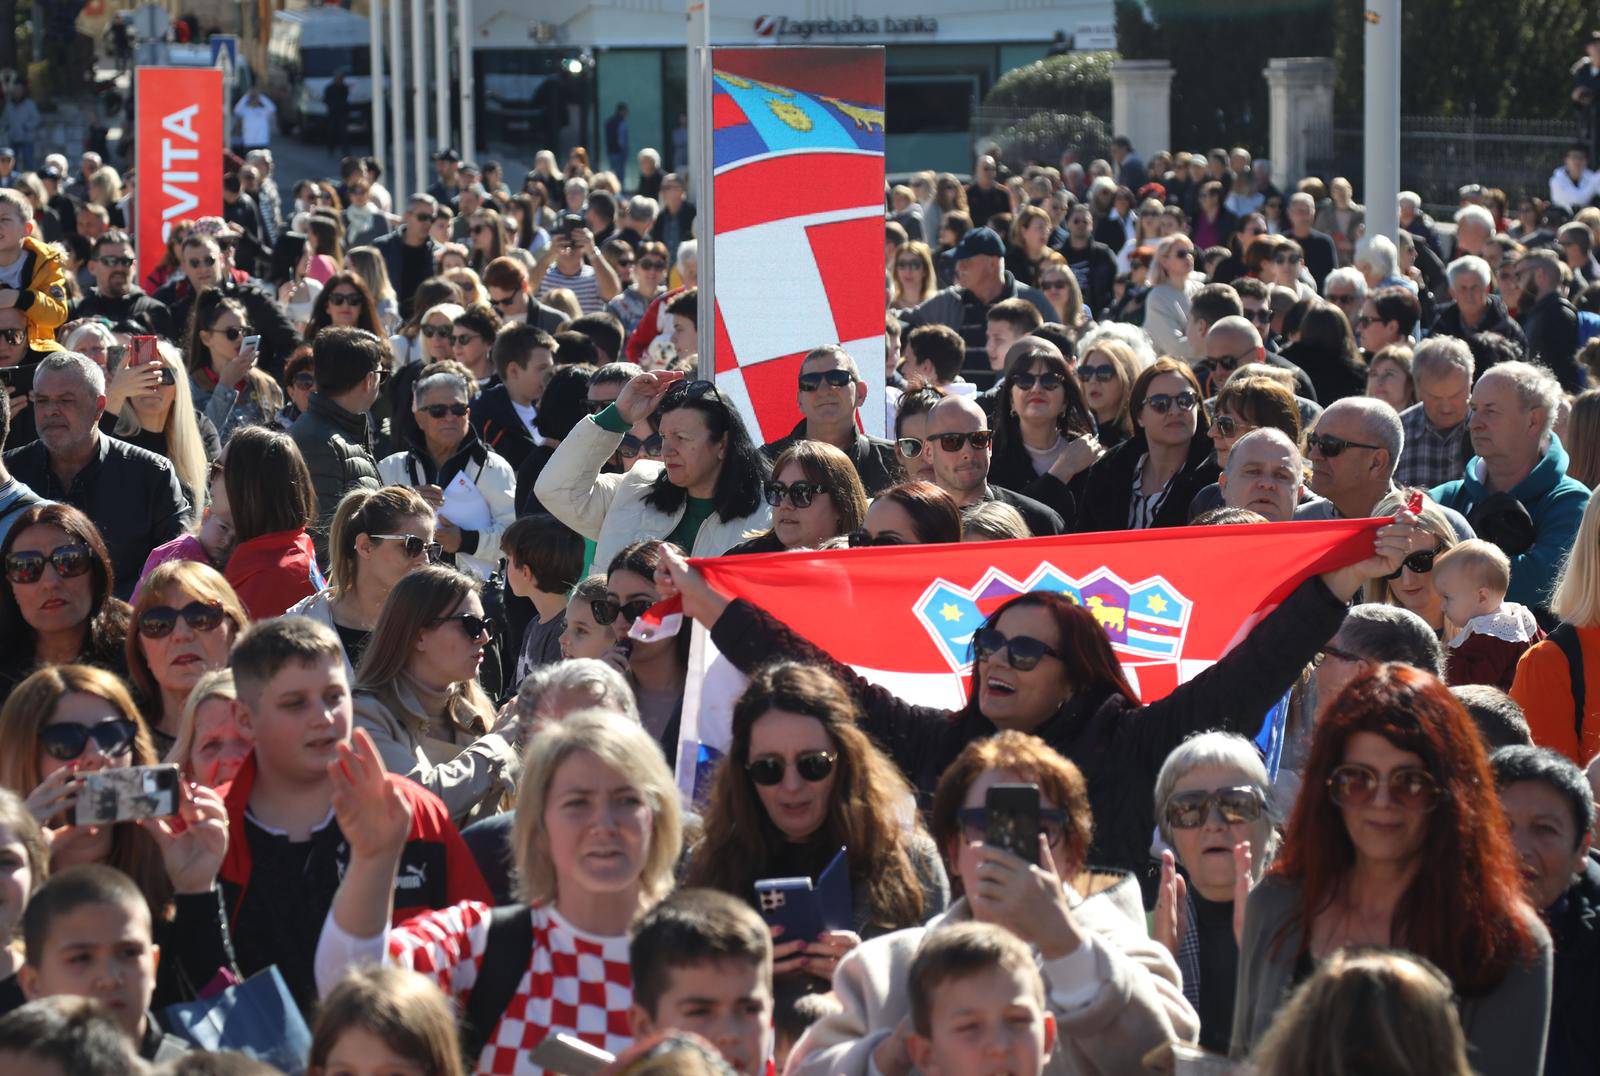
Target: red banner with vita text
x=180, y=128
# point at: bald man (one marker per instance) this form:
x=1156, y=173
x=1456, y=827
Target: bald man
x=1234, y=341
x=1265, y=474
x=957, y=446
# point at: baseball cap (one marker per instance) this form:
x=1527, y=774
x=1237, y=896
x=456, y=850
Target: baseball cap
x=50, y=171
x=980, y=242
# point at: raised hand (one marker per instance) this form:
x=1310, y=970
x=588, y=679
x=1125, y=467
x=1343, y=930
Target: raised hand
x=640, y=396
x=194, y=841
x=1243, y=881
x=1172, y=906
x=1028, y=900
x=674, y=575
x=373, y=814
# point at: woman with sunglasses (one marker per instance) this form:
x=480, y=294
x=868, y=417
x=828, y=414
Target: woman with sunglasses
x=1114, y=993
x=417, y=693
x=1060, y=285
x=1106, y=373
x=911, y=422
x=224, y=380
x=914, y=280
x=1398, y=840
x=657, y=670
x=1151, y=479
x=476, y=512
x=413, y=346
x=1214, y=811
x=487, y=238
x=57, y=596
x=1411, y=587
x=799, y=782
x=649, y=281
x=71, y=720
x=184, y=623
x=704, y=495
x=1173, y=283
x=1044, y=437
x=472, y=335
x=273, y=564
x=815, y=494
x=344, y=301
x=162, y=419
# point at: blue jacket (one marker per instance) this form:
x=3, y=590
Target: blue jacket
x=1556, y=503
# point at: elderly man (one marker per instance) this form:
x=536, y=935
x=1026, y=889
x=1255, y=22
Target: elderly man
x=1265, y=474
x=1415, y=221
x=1437, y=445
x=1550, y=322
x=830, y=393
x=1475, y=309
x=1321, y=255
x=114, y=296
x=981, y=282
x=1346, y=289
x=133, y=496
x=1516, y=452
x=957, y=445
x=1474, y=229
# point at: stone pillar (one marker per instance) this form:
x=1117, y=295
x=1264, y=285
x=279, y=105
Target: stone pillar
x=1300, y=93
x=1141, y=104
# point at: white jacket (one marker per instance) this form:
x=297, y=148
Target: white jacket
x=610, y=509
x=495, y=480
x=1166, y=316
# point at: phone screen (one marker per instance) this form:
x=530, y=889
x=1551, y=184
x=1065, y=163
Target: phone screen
x=1013, y=820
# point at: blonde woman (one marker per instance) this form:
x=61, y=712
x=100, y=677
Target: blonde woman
x=369, y=264
x=105, y=190
x=465, y=278
x=1173, y=283
x=212, y=744
x=1107, y=371
x=161, y=418
x=1060, y=285
x=914, y=277
x=1412, y=587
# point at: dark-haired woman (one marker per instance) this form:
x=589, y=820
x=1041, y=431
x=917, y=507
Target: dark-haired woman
x=704, y=496
x=656, y=670
x=1044, y=435
x=1045, y=666
x=815, y=494
x=1325, y=348
x=1150, y=479
x=345, y=301
x=800, y=781
x=227, y=386
x=911, y=513
x=56, y=607
x=1398, y=840
x=274, y=565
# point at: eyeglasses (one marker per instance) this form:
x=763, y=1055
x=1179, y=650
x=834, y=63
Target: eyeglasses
x=115, y=262
x=631, y=446
x=1230, y=427
x=1287, y=258
x=908, y=447
x=1054, y=284
x=952, y=442
x=433, y=332
x=1226, y=363
x=861, y=539
x=606, y=610
x=1023, y=652
x=1334, y=652
x=1108, y=372
x=304, y=381
x=1049, y=381
x=1261, y=315
x=812, y=766
x=800, y=494
x=1410, y=788
x=836, y=378
x=13, y=336
x=1163, y=402
x=463, y=339
x=235, y=332
x=1419, y=563
x=66, y=740
x=474, y=627
x=1330, y=447
x=975, y=824
x=344, y=298
x=202, y=263
x=158, y=621
x=459, y=410
x=69, y=561
x=1189, y=810
x=652, y=265
x=414, y=546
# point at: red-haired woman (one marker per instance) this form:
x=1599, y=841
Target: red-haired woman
x=1398, y=840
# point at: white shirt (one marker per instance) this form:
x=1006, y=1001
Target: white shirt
x=11, y=275
x=1574, y=195
x=255, y=121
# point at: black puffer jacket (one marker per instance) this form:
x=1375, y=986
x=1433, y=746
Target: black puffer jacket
x=337, y=447
x=1107, y=489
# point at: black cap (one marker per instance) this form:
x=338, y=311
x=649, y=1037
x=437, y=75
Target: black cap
x=447, y=154
x=978, y=242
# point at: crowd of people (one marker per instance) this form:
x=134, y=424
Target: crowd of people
x=348, y=509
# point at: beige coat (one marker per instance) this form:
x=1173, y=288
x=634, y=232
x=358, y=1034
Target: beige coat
x=1106, y=1020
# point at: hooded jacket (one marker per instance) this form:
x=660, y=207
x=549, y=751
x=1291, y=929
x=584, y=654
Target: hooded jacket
x=44, y=300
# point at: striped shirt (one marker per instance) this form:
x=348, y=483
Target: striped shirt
x=586, y=286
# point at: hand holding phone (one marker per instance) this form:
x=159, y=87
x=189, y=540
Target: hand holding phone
x=127, y=794
x=1013, y=820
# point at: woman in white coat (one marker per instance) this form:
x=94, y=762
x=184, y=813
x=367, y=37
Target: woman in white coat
x=1173, y=280
x=704, y=495
x=471, y=488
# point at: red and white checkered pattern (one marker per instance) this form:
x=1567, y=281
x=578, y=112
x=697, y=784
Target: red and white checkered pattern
x=578, y=983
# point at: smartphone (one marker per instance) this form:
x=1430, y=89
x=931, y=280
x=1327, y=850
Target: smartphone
x=116, y=355
x=792, y=904
x=127, y=794
x=18, y=379
x=569, y=1054
x=144, y=350
x=168, y=376
x=1013, y=820
x=249, y=346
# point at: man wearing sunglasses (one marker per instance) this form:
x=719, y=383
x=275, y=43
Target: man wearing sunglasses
x=1387, y=317
x=335, y=434
x=830, y=393
x=958, y=443
x=409, y=251
x=1234, y=342
x=114, y=296
x=207, y=262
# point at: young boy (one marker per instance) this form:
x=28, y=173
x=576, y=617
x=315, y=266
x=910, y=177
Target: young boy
x=1472, y=579
x=86, y=933
x=978, y=1004
x=64, y=1036
x=544, y=559
x=503, y=414
x=286, y=854
x=32, y=278
x=702, y=962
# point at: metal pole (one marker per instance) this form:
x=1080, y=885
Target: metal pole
x=419, y=91
x=397, y=102
x=1382, y=180
x=699, y=178
x=469, y=119
x=441, y=73
x=375, y=35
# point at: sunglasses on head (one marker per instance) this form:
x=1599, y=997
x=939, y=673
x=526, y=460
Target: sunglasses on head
x=235, y=332
x=433, y=332
x=606, y=610
x=474, y=627
x=1189, y=810
x=1410, y=788
x=975, y=824
x=837, y=378
x=863, y=538
x=1329, y=447
x=812, y=766
x=414, y=545
x=1107, y=372
x=631, y=446
x=1023, y=652
x=459, y=410
x=1419, y=563
x=344, y=298
x=680, y=392
x=67, y=740
x=1049, y=381
x=1163, y=402
x=800, y=494
x=158, y=621
x=952, y=442
x=69, y=561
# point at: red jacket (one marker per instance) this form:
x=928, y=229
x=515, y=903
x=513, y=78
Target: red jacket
x=273, y=572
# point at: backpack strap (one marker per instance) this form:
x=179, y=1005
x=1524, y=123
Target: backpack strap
x=1565, y=636
x=507, y=953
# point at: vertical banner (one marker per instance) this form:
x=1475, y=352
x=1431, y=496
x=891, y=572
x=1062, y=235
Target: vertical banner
x=798, y=224
x=180, y=129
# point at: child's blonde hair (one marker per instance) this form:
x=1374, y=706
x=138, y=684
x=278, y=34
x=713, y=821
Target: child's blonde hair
x=1486, y=564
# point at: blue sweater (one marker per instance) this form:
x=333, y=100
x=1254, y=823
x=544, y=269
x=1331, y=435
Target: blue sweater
x=1556, y=503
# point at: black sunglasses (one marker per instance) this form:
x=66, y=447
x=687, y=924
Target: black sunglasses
x=1023, y=652
x=304, y=380
x=594, y=407
x=652, y=263
x=13, y=336
x=1049, y=381
x=680, y=392
x=206, y=262
x=1261, y=315
x=1161, y=402
x=812, y=766
x=1330, y=447
x=1227, y=363
x=459, y=410
x=837, y=378
x=952, y=442
x=235, y=332
x=800, y=493
x=414, y=546
x=631, y=446
x=344, y=298
x=1228, y=426
x=1108, y=372
x=1189, y=810
x=463, y=339
x=863, y=538
x=606, y=610
x=66, y=741
x=475, y=627
x=1420, y=563
x=158, y=621
x=434, y=331
x=70, y=561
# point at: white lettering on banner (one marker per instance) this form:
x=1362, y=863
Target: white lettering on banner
x=855, y=26
x=181, y=199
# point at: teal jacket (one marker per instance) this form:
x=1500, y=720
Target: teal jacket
x=1556, y=503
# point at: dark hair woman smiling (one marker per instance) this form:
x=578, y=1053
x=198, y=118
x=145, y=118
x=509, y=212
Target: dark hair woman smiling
x=1044, y=435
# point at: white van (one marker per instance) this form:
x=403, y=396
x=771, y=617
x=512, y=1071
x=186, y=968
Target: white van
x=306, y=49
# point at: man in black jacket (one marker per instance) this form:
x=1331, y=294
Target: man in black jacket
x=1322, y=257
x=408, y=251
x=334, y=434
x=114, y=296
x=1476, y=309
x=1094, y=264
x=830, y=393
x=985, y=197
x=503, y=414
x=207, y=263
x=1551, y=323
x=963, y=470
